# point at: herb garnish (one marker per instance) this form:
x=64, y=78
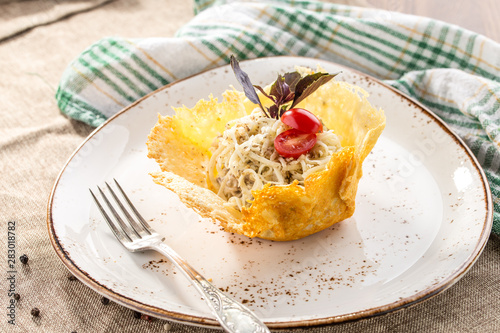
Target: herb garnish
x=287, y=91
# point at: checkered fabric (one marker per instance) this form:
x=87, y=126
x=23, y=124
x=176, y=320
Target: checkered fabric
x=454, y=72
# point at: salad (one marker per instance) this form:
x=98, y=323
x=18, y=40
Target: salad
x=279, y=162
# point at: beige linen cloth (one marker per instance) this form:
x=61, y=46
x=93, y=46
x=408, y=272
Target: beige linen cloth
x=36, y=140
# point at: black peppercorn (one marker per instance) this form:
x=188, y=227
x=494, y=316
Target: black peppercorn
x=35, y=312
x=23, y=259
x=104, y=300
x=17, y=297
x=137, y=315
x=146, y=317
x=71, y=278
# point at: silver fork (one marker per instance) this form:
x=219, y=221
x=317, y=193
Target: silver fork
x=138, y=235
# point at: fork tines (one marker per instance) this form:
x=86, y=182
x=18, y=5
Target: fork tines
x=135, y=229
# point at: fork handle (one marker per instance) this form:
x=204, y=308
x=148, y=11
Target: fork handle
x=232, y=315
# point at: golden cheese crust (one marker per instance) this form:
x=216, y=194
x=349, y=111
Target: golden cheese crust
x=281, y=213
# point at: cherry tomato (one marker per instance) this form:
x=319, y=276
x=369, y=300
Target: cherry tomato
x=293, y=143
x=302, y=120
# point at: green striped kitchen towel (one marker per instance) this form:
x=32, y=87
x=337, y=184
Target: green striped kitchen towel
x=454, y=72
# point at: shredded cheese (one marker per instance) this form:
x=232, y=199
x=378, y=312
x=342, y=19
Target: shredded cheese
x=244, y=158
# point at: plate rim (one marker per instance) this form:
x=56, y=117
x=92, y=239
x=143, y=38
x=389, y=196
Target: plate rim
x=192, y=320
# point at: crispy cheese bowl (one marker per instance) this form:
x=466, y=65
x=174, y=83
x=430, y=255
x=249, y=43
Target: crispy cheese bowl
x=180, y=144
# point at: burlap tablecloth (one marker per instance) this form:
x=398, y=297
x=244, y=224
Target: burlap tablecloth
x=36, y=140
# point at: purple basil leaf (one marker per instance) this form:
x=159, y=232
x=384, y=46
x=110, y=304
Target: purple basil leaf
x=281, y=91
x=274, y=111
x=272, y=98
x=245, y=82
x=290, y=97
x=291, y=79
x=284, y=89
x=309, y=84
x=279, y=88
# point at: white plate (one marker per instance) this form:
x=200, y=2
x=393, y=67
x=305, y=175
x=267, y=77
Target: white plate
x=423, y=216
